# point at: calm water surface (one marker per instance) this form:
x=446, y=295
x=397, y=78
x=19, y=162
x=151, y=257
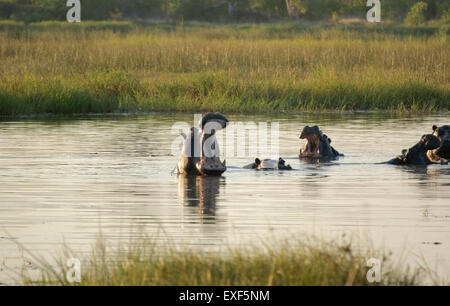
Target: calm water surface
x=64, y=180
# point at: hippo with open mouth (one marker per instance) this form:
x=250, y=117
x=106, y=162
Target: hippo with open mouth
x=417, y=154
x=318, y=145
x=200, y=153
x=442, y=153
x=269, y=164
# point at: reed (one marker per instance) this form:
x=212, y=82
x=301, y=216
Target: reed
x=101, y=67
x=289, y=262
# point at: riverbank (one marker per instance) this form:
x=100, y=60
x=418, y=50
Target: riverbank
x=55, y=68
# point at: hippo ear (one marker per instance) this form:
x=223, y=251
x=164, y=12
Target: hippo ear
x=434, y=128
x=329, y=140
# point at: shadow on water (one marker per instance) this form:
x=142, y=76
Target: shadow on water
x=310, y=185
x=200, y=192
x=428, y=178
x=424, y=173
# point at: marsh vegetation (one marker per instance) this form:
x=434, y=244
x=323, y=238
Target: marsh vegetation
x=289, y=262
x=101, y=67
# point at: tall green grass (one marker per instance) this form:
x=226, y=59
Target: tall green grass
x=64, y=69
x=286, y=263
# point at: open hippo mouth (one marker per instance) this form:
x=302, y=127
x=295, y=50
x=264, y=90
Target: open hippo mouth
x=200, y=154
x=444, y=149
x=211, y=166
x=317, y=145
x=210, y=163
x=312, y=145
x=443, y=133
x=313, y=136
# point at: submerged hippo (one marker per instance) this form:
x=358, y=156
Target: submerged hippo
x=200, y=153
x=269, y=164
x=417, y=155
x=318, y=145
x=442, y=153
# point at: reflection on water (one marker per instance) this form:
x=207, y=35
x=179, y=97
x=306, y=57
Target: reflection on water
x=200, y=192
x=63, y=180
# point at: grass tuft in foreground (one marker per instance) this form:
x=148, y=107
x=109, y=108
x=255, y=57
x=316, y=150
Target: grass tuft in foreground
x=291, y=262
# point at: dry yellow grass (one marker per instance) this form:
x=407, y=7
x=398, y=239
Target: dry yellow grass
x=279, y=68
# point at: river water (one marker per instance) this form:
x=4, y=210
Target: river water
x=65, y=180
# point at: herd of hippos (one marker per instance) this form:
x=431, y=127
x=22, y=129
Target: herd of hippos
x=200, y=153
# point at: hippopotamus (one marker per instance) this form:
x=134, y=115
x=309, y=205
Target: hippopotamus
x=269, y=164
x=318, y=145
x=442, y=153
x=200, y=153
x=417, y=154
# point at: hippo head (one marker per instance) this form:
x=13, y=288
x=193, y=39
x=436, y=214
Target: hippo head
x=210, y=163
x=318, y=145
x=270, y=164
x=418, y=154
x=313, y=136
x=430, y=141
x=443, y=134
